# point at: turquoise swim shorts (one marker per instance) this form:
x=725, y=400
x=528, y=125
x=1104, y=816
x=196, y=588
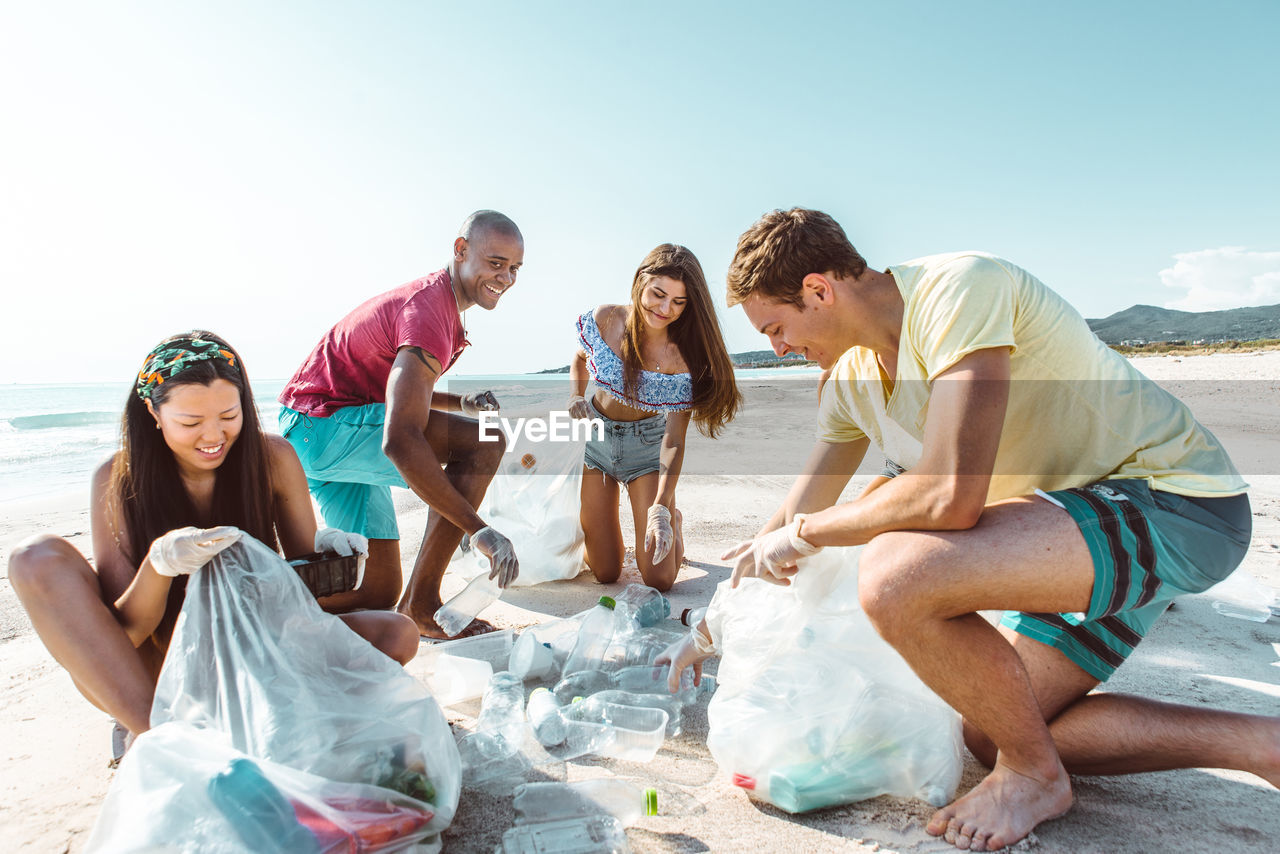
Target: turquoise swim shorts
x=1148, y=546
x=347, y=472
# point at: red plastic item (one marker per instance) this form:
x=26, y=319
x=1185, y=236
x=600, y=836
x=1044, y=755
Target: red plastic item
x=367, y=825
x=743, y=781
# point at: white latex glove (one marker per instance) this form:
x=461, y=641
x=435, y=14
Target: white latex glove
x=772, y=556
x=183, y=551
x=503, y=565
x=579, y=408
x=690, y=651
x=473, y=403
x=658, y=535
x=344, y=543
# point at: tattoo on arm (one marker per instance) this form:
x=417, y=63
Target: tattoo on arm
x=422, y=357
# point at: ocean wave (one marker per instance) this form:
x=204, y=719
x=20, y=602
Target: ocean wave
x=62, y=419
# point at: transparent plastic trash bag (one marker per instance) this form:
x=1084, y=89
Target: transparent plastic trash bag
x=535, y=500
x=812, y=707
x=185, y=789
x=255, y=663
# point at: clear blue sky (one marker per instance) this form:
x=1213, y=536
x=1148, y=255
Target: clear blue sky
x=260, y=168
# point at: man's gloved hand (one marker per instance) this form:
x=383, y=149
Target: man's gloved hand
x=772, y=556
x=658, y=535
x=473, y=403
x=690, y=651
x=579, y=408
x=503, y=565
x=344, y=543
x=183, y=551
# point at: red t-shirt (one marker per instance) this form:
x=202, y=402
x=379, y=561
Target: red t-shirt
x=350, y=365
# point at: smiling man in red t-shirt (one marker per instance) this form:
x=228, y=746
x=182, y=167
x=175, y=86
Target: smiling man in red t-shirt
x=364, y=415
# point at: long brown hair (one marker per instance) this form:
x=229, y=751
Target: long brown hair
x=696, y=333
x=146, y=487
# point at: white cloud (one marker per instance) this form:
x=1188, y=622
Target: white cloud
x=1229, y=277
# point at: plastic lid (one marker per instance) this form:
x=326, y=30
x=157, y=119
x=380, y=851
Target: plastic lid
x=684, y=615
x=576, y=700
x=536, y=690
x=744, y=781
x=608, y=602
x=650, y=801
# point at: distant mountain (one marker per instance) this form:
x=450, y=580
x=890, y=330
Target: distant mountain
x=1147, y=324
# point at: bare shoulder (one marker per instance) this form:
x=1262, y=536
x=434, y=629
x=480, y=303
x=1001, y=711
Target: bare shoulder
x=611, y=320
x=281, y=455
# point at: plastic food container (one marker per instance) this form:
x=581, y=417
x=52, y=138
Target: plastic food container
x=640, y=729
x=326, y=573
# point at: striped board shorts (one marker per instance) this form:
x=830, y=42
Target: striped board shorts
x=1148, y=546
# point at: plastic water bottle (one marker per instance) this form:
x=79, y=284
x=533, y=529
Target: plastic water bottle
x=260, y=815
x=583, y=683
x=544, y=715
x=502, y=714
x=639, y=606
x=535, y=802
x=598, y=834
x=593, y=638
x=456, y=614
x=692, y=616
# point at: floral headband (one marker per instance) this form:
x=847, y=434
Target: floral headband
x=174, y=356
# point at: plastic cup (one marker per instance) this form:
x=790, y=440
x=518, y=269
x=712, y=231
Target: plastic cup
x=530, y=659
x=455, y=678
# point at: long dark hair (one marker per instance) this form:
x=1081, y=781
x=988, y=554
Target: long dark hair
x=696, y=333
x=146, y=486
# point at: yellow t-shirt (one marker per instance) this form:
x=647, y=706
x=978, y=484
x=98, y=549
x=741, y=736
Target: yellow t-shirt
x=1078, y=411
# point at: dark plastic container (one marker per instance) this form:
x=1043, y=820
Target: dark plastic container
x=326, y=573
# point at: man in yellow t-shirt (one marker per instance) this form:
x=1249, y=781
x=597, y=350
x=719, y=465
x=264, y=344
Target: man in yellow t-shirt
x=1042, y=474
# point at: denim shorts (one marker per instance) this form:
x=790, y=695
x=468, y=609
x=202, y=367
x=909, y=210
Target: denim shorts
x=1147, y=547
x=347, y=472
x=628, y=449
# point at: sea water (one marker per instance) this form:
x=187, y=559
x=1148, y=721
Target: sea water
x=53, y=436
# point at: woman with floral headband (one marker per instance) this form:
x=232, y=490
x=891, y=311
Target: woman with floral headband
x=657, y=363
x=195, y=469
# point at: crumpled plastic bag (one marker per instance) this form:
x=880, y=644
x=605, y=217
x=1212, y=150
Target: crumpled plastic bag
x=177, y=790
x=255, y=665
x=813, y=708
x=535, y=500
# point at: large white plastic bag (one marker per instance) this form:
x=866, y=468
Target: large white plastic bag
x=160, y=801
x=813, y=707
x=535, y=500
x=254, y=657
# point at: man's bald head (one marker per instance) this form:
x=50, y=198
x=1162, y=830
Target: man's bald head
x=488, y=222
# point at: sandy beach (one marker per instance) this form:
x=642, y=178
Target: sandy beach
x=56, y=746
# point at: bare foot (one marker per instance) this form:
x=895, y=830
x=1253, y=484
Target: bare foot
x=1001, y=810
x=427, y=625
x=431, y=630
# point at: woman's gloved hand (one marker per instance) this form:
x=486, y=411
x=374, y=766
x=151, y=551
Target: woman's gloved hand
x=579, y=408
x=690, y=651
x=344, y=543
x=184, y=550
x=658, y=535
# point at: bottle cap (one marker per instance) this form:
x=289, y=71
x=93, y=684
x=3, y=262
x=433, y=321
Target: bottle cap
x=608, y=602
x=684, y=615
x=650, y=801
x=536, y=690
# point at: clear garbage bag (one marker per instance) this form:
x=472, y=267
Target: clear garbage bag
x=535, y=500
x=185, y=789
x=255, y=663
x=813, y=708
